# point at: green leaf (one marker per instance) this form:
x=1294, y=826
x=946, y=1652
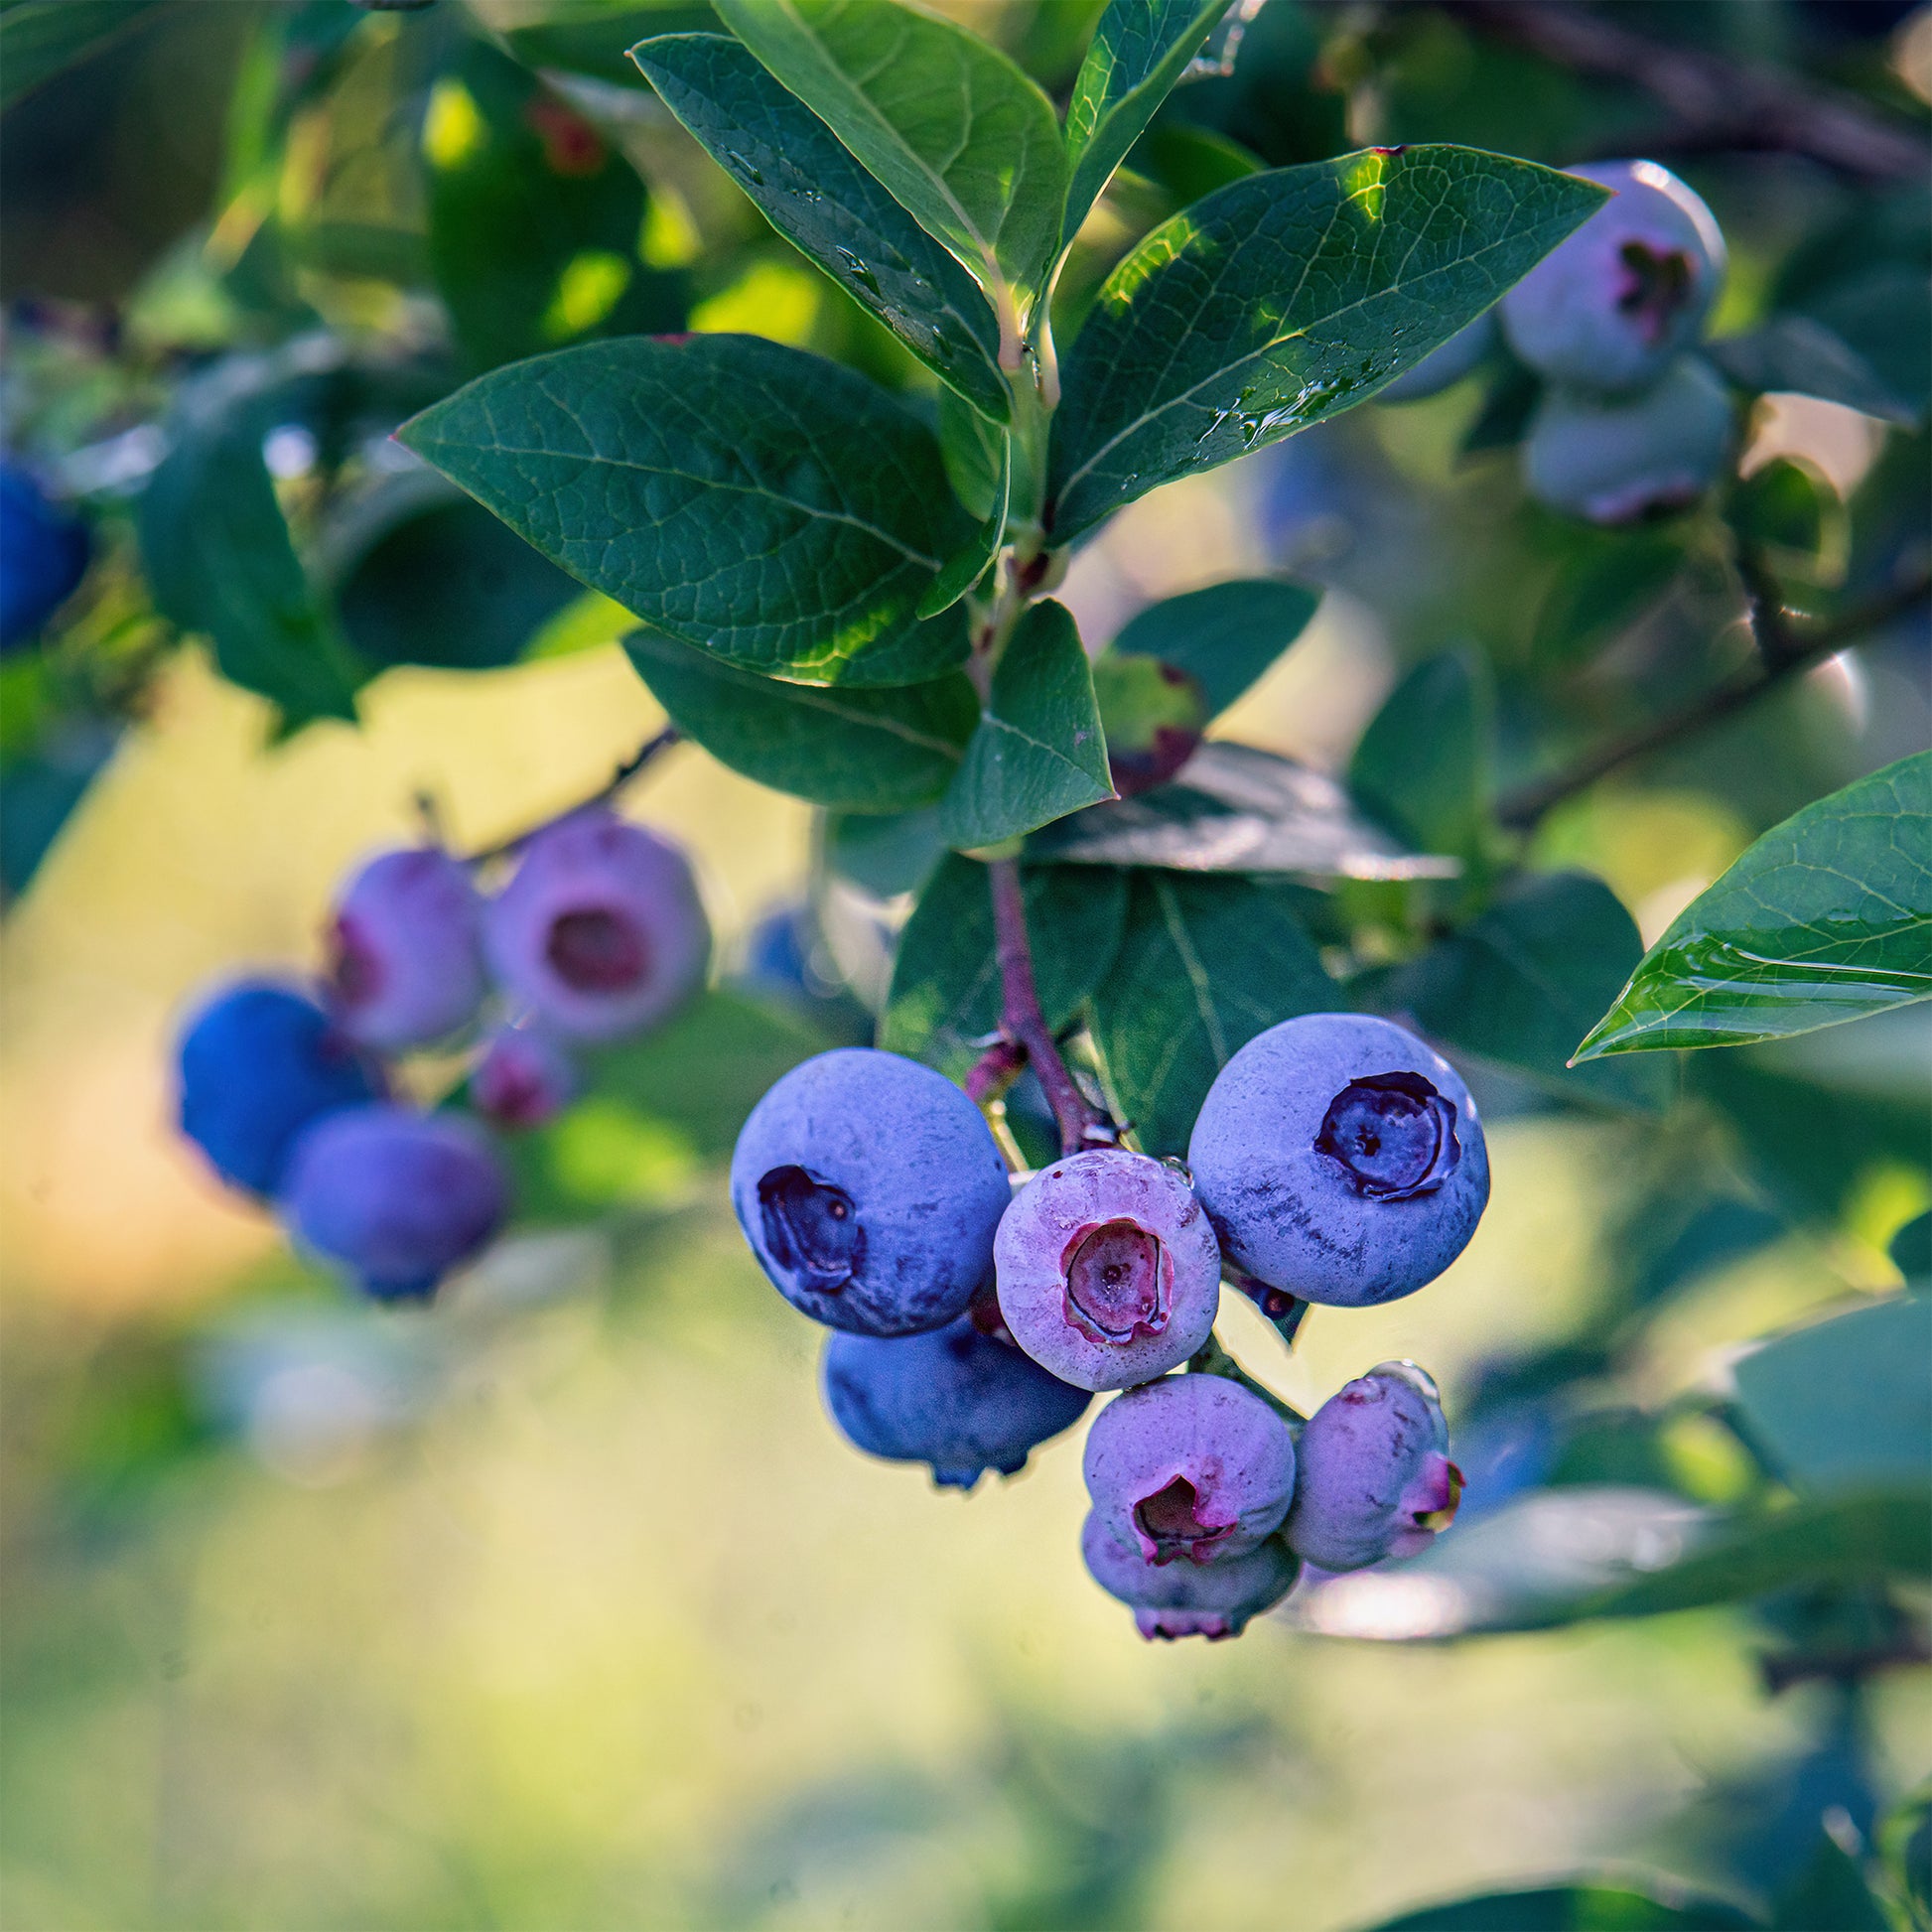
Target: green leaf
x=1139, y=48
x=969, y=563
x=1789, y=514
x=1285, y=299
x=1509, y=406
x=1189, y=161
x=43, y=38
x=1038, y=751
x=1827, y=918
x=1603, y=591
x=1224, y=636
x=946, y=998
x=810, y=188
x=1206, y=965
x=1577, y=1908
x=884, y=853
x=1797, y=355
x=974, y=452
x=858, y=750
x=1846, y=1402
x=1152, y=714
x=592, y=38
x=1512, y=985
x=1423, y=765
x=760, y=503
x=962, y=139
x=1831, y=1892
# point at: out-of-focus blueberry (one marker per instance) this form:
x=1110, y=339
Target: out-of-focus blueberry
x=396, y=1197
x=1375, y=1477
x=600, y=932
x=1340, y=1159
x=522, y=1079
x=1193, y=1465
x=256, y=1065
x=1610, y=307
x=1614, y=460
x=44, y=552
x=406, y=950
x=1108, y=1269
x=1185, y=1600
x=869, y=1187
x=1447, y=366
x=955, y=1398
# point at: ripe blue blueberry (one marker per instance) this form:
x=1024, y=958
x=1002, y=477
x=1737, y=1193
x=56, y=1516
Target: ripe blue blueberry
x=1375, y=1475
x=955, y=1398
x=1192, y=1466
x=1340, y=1159
x=396, y=1197
x=406, y=950
x=1108, y=1269
x=870, y=1188
x=1187, y=1600
x=44, y=554
x=1445, y=365
x=1616, y=458
x=256, y=1065
x=600, y=932
x=523, y=1078
x=1610, y=307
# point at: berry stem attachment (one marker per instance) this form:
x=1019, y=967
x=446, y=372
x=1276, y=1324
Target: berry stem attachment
x=1284, y=1310
x=1211, y=1358
x=621, y=776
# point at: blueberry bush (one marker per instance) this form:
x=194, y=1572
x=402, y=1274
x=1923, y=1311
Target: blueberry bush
x=1096, y=1020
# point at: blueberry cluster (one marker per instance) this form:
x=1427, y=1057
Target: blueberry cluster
x=1631, y=419
x=293, y=1093
x=44, y=554
x=1336, y=1160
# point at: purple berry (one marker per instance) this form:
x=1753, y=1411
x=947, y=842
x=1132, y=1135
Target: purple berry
x=1375, y=1475
x=870, y=1188
x=523, y=1078
x=258, y=1063
x=1194, y=1467
x=1341, y=1159
x=954, y=1398
x=398, y=1199
x=1187, y=1600
x=600, y=932
x=1445, y=365
x=1108, y=1269
x=1610, y=307
x=44, y=552
x=405, y=950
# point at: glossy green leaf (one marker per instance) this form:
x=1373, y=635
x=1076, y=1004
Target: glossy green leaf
x=1578, y=1909
x=43, y=38
x=1798, y=354
x=1423, y=765
x=764, y=505
x=954, y=130
x=946, y=998
x=1827, y=918
x=969, y=563
x=1038, y=751
x=1224, y=636
x=974, y=452
x=1139, y=48
x=1283, y=299
x=1207, y=964
x=810, y=188
x=863, y=750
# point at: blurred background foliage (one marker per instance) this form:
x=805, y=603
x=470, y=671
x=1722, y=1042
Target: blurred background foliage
x=562, y=1606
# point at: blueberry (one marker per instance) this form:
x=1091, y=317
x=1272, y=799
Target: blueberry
x=396, y=1197
x=1445, y=365
x=1340, y=1159
x=256, y=1065
x=1192, y=1466
x=1614, y=460
x=868, y=1188
x=1108, y=1271
x=523, y=1078
x=600, y=932
x=405, y=950
x=1186, y=1600
x=955, y=1398
x=1610, y=307
x=44, y=552
x=1375, y=1475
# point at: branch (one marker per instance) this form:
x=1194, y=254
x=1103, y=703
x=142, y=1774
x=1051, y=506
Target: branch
x=1719, y=102
x=616, y=781
x=1782, y=652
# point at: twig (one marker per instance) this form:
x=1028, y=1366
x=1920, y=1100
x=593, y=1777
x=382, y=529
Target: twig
x=616, y=781
x=1212, y=1358
x=1718, y=102
x=1782, y=652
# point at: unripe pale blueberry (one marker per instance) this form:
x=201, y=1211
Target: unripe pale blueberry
x=1192, y=1466
x=1615, y=458
x=522, y=1079
x=954, y=1398
x=44, y=551
x=1375, y=1475
x=1189, y=1599
x=396, y=1197
x=406, y=950
x=600, y=932
x=1445, y=365
x=1108, y=1269
x=1610, y=307
x=1341, y=1159
x=869, y=1187
x=256, y=1065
